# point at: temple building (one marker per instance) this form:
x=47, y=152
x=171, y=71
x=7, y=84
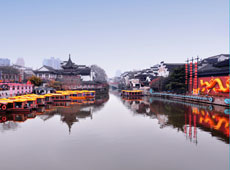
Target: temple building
x=164, y=69
x=213, y=76
x=70, y=73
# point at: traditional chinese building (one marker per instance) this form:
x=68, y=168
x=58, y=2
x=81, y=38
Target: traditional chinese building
x=9, y=74
x=213, y=76
x=70, y=74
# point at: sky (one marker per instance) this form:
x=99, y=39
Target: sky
x=113, y=34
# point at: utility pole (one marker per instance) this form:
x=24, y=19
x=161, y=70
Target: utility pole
x=186, y=74
x=191, y=75
x=196, y=71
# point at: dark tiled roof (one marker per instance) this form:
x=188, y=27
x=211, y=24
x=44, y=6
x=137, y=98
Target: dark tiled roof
x=77, y=71
x=224, y=63
x=172, y=66
x=9, y=70
x=69, y=64
x=211, y=67
x=66, y=71
x=49, y=68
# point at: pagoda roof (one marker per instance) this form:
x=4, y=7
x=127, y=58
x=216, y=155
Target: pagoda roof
x=69, y=64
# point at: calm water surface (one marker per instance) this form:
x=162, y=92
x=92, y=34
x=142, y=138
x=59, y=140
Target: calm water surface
x=117, y=134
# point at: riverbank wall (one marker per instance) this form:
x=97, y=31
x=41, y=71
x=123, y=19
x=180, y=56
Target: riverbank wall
x=216, y=100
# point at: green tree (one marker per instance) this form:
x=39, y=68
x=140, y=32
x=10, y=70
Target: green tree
x=176, y=81
x=157, y=84
x=57, y=85
x=35, y=80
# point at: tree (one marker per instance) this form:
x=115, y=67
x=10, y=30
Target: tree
x=35, y=80
x=57, y=85
x=176, y=81
x=157, y=84
x=99, y=74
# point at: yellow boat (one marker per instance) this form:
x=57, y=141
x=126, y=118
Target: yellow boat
x=16, y=105
x=132, y=93
x=48, y=98
x=84, y=94
x=27, y=102
x=61, y=97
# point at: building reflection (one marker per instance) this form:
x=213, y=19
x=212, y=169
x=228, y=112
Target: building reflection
x=69, y=112
x=184, y=117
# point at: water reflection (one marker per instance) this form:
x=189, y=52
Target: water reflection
x=150, y=134
x=69, y=112
x=182, y=116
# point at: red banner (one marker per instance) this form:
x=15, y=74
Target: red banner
x=190, y=81
x=186, y=74
x=195, y=77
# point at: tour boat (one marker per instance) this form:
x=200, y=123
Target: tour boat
x=31, y=101
x=5, y=104
x=132, y=93
x=18, y=105
x=26, y=103
x=84, y=94
x=61, y=97
x=40, y=100
x=90, y=94
x=48, y=98
x=78, y=95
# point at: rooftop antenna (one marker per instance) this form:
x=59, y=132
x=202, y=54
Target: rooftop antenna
x=197, y=58
x=187, y=60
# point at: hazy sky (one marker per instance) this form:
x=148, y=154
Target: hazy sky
x=114, y=34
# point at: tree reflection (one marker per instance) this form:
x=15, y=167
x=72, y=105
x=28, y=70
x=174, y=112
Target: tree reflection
x=8, y=126
x=182, y=116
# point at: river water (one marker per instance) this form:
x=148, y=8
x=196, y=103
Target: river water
x=112, y=133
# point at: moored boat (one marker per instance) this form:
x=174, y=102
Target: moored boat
x=25, y=103
x=48, y=98
x=19, y=105
x=61, y=97
x=132, y=93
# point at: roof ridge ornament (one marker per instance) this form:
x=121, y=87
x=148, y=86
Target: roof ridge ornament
x=69, y=64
